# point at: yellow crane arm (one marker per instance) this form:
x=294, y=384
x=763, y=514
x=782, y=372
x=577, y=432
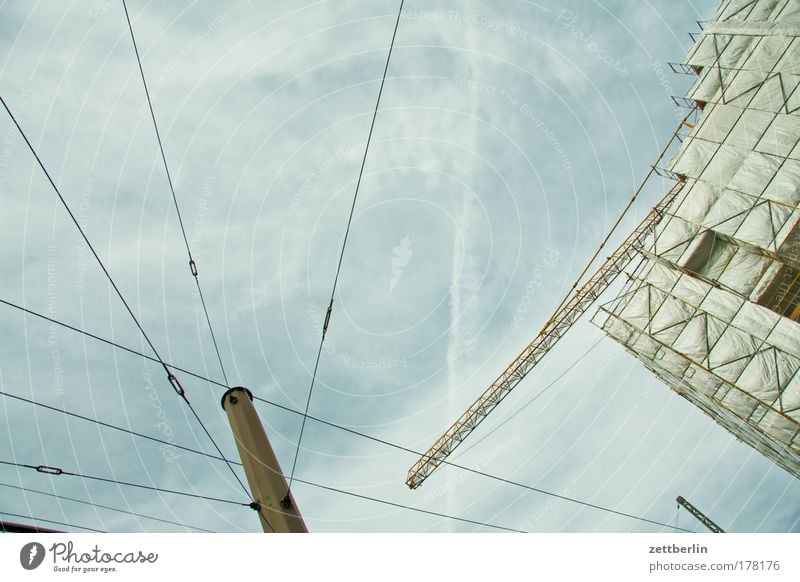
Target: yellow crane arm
x=565, y=315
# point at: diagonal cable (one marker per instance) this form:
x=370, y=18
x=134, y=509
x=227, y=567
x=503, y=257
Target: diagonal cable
x=192, y=263
x=57, y=471
x=533, y=399
x=80, y=230
x=104, y=424
x=107, y=507
x=173, y=380
x=320, y=421
x=48, y=470
x=476, y=471
x=37, y=519
x=344, y=246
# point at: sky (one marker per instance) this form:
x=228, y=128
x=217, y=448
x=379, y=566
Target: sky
x=510, y=136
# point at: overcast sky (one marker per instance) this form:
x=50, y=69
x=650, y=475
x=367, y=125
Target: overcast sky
x=509, y=138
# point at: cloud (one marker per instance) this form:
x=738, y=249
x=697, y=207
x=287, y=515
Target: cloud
x=502, y=141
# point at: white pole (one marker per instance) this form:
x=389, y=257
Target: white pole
x=267, y=483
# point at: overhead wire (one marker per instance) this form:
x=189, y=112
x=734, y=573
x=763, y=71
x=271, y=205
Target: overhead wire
x=80, y=230
x=109, y=425
x=188, y=449
x=37, y=519
x=204, y=454
x=228, y=463
x=320, y=421
x=176, y=385
x=57, y=471
x=622, y=215
x=533, y=399
x=408, y=507
x=107, y=507
x=192, y=263
x=173, y=380
x=107, y=341
x=476, y=471
x=344, y=246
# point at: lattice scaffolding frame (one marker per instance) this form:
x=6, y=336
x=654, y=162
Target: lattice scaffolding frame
x=714, y=307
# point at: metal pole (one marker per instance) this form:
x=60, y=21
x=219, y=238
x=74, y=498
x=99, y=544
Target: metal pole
x=277, y=512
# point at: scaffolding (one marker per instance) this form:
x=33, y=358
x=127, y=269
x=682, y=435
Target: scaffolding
x=713, y=307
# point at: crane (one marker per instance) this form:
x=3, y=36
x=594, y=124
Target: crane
x=571, y=308
x=701, y=517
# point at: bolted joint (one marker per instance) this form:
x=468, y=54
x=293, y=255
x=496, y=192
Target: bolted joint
x=232, y=395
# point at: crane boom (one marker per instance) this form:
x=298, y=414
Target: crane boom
x=701, y=517
x=568, y=312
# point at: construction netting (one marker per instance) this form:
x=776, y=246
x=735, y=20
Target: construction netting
x=713, y=307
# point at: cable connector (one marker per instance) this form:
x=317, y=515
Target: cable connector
x=176, y=385
x=193, y=267
x=49, y=470
x=327, y=320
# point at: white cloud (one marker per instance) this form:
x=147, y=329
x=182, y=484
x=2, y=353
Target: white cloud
x=495, y=147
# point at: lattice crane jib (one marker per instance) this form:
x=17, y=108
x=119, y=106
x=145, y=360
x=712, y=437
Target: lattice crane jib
x=568, y=312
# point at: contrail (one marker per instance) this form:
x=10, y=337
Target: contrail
x=465, y=274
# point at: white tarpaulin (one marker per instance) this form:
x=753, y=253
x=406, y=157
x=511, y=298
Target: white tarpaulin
x=714, y=310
